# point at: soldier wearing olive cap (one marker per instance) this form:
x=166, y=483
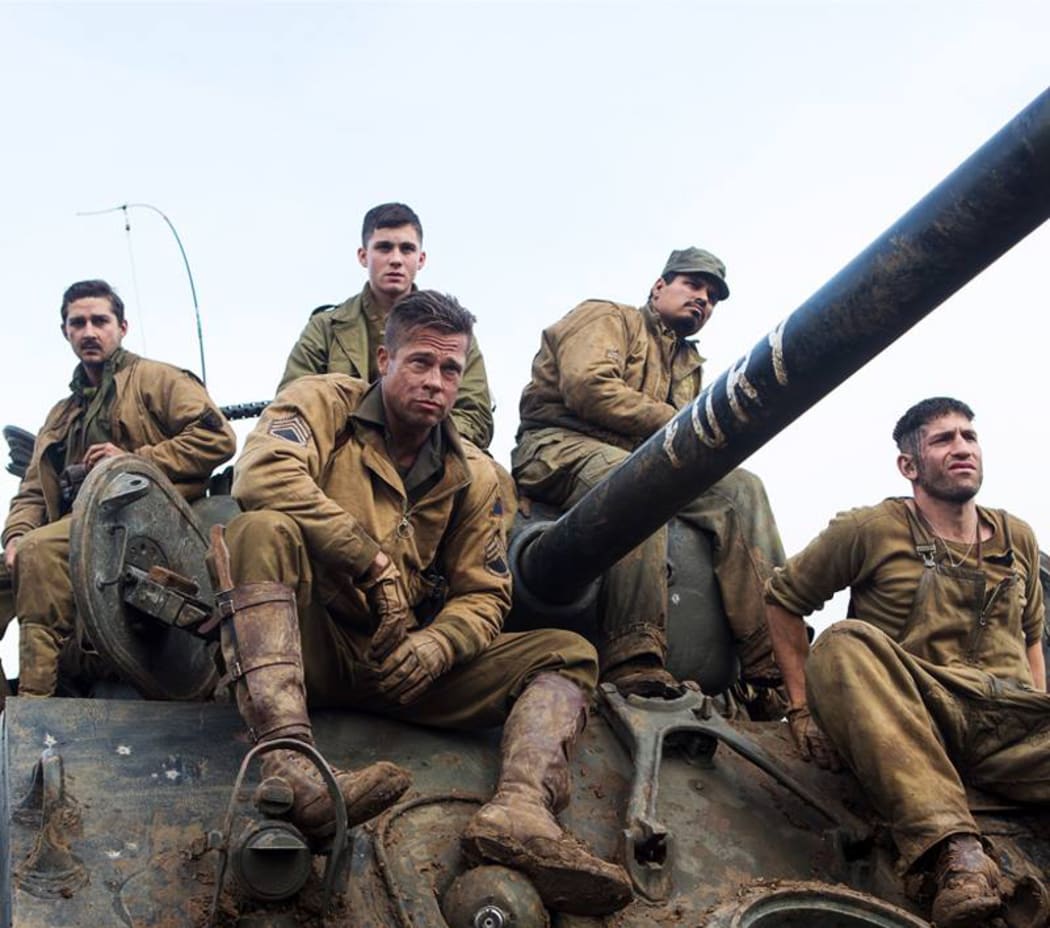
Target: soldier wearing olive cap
x=607, y=376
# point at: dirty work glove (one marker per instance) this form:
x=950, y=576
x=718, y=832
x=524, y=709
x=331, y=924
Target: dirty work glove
x=811, y=742
x=388, y=603
x=414, y=664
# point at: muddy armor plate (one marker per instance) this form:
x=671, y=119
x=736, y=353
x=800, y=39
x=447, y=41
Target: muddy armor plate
x=139, y=579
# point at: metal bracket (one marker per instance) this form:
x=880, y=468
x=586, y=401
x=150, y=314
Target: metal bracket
x=221, y=842
x=642, y=725
x=125, y=489
x=155, y=593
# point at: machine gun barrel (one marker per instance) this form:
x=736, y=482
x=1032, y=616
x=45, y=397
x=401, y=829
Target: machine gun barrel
x=986, y=206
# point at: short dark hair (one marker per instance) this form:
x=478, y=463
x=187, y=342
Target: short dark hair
x=426, y=309
x=906, y=431
x=83, y=289
x=389, y=216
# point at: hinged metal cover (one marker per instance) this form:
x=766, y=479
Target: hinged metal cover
x=128, y=521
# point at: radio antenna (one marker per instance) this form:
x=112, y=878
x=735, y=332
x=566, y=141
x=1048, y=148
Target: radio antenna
x=185, y=261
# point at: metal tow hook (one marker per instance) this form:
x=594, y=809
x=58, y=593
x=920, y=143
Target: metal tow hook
x=642, y=725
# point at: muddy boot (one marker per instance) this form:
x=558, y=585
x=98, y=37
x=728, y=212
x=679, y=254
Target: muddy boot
x=644, y=676
x=517, y=827
x=38, y=652
x=263, y=655
x=967, y=884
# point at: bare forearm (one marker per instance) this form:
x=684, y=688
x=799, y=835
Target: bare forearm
x=787, y=632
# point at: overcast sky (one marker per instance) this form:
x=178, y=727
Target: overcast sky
x=555, y=152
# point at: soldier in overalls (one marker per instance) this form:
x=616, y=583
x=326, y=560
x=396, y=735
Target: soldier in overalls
x=937, y=677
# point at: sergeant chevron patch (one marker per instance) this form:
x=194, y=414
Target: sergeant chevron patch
x=291, y=428
x=496, y=555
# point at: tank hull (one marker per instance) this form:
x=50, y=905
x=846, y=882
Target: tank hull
x=147, y=785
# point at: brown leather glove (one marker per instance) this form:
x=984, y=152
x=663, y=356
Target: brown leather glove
x=388, y=602
x=414, y=665
x=811, y=742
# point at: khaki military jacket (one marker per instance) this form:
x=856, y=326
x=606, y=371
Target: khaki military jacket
x=610, y=371
x=160, y=413
x=309, y=458
x=872, y=552
x=336, y=342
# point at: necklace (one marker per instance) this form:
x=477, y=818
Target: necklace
x=976, y=540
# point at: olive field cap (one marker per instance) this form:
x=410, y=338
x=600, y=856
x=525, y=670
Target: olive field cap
x=698, y=261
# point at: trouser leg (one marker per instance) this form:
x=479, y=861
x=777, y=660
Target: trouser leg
x=746, y=546
x=632, y=600
x=895, y=726
x=1009, y=746
x=44, y=604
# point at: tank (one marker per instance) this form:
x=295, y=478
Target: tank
x=132, y=811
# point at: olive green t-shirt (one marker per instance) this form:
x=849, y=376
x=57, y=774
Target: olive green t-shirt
x=871, y=551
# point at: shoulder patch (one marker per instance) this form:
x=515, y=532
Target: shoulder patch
x=322, y=309
x=496, y=555
x=290, y=428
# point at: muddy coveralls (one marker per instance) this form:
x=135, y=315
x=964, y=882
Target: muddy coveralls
x=606, y=377
x=151, y=409
x=343, y=340
x=927, y=685
x=324, y=497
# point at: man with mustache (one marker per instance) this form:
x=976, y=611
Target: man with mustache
x=119, y=404
x=607, y=376
x=343, y=339
x=937, y=678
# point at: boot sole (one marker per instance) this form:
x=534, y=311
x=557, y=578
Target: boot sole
x=562, y=886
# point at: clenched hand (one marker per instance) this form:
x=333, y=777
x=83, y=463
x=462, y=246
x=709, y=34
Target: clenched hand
x=388, y=602
x=414, y=665
x=811, y=742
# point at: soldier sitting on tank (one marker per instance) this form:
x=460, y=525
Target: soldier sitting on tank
x=343, y=339
x=119, y=404
x=607, y=376
x=938, y=676
x=373, y=553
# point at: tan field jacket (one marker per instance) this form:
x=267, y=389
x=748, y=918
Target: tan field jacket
x=610, y=371
x=160, y=413
x=308, y=458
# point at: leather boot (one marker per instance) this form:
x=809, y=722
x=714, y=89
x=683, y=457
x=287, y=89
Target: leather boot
x=263, y=655
x=967, y=884
x=38, y=651
x=517, y=827
x=644, y=676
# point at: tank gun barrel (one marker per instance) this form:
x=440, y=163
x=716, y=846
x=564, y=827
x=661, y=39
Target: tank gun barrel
x=985, y=207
